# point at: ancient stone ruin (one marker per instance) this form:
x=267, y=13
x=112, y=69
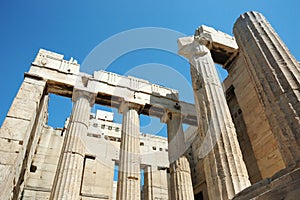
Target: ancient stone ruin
x=243, y=141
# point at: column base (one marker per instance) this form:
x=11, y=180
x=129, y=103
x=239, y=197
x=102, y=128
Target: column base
x=283, y=185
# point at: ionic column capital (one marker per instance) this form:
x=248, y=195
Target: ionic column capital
x=125, y=106
x=78, y=93
x=190, y=47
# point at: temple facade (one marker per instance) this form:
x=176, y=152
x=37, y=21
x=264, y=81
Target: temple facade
x=243, y=141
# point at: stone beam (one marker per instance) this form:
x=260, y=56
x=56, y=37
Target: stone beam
x=111, y=88
x=221, y=45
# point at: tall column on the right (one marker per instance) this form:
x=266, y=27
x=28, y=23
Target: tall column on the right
x=225, y=170
x=276, y=75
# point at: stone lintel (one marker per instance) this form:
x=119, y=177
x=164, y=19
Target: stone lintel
x=111, y=89
x=217, y=37
x=220, y=44
x=134, y=84
x=55, y=61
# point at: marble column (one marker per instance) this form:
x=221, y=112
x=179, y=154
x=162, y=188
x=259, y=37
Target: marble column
x=129, y=161
x=225, y=170
x=180, y=173
x=276, y=75
x=69, y=176
x=148, y=186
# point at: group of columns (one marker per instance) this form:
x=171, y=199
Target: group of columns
x=129, y=162
x=225, y=171
x=68, y=178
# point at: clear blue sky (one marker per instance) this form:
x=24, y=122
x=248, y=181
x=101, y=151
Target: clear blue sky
x=74, y=28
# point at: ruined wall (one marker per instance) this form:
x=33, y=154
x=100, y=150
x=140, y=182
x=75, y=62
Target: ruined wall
x=41, y=173
x=97, y=180
x=252, y=114
x=155, y=183
x=242, y=133
x=19, y=134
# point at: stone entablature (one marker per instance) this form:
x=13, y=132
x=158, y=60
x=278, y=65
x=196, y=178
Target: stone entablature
x=111, y=89
x=56, y=61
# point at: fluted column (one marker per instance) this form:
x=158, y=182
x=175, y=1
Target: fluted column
x=180, y=173
x=276, y=75
x=225, y=170
x=148, y=185
x=129, y=166
x=68, y=181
